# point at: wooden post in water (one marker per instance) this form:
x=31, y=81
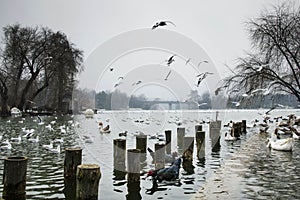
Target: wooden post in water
x=180, y=136
x=244, y=126
x=141, y=144
x=187, y=155
x=87, y=181
x=73, y=158
x=214, y=134
x=200, y=143
x=133, y=165
x=215, y=139
x=168, y=135
x=188, y=149
x=236, y=130
x=160, y=153
x=198, y=128
x=119, y=159
x=14, y=178
x=133, y=174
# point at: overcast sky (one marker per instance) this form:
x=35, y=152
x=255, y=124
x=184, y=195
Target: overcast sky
x=215, y=26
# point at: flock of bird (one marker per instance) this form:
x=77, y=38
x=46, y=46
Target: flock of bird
x=33, y=136
x=286, y=130
x=168, y=62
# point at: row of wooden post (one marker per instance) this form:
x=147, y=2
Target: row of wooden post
x=81, y=181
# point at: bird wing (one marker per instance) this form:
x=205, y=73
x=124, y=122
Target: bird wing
x=170, y=23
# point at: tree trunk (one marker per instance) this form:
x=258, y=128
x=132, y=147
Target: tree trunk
x=4, y=100
x=26, y=90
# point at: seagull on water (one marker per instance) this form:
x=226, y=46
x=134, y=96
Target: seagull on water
x=162, y=23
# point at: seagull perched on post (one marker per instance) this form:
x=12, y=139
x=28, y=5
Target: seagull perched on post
x=162, y=23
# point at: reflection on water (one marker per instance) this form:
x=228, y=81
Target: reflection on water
x=262, y=174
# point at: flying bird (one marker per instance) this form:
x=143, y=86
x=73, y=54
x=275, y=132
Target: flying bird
x=117, y=84
x=111, y=69
x=202, y=76
x=136, y=83
x=162, y=23
x=168, y=75
x=187, y=61
x=170, y=60
x=204, y=61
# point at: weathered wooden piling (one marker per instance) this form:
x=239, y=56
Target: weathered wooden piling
x=73, y=158
x=215, y=139
x=236, y=129
x=198, y=128
x=187, y=156
x=188, y=143
x=119, y=154
x=160, y=152
x=133, y=189
x=14, y=178
x=87, y=181
x=214, y=124
x=200, y=143
x=244, y=126
x=141, y=144
x=180, y=136
x=214, y=134
x=168, y=135
x=133, y=165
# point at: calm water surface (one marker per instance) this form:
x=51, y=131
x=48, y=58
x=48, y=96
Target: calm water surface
x=266, y=174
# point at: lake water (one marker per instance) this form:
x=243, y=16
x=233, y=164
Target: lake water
x=261, y=173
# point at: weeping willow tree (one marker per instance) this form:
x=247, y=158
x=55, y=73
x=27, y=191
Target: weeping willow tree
x=274, y=67
x=35, y=61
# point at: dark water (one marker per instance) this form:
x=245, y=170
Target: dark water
x=266, y=174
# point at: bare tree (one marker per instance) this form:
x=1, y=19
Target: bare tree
x=33, y=58
x=274, y=67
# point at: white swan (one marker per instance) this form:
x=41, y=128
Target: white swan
x=280, y=144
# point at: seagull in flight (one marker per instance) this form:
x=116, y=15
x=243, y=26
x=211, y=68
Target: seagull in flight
x=204, y=61
x=168, y=75
x=187, y=61
x=162, y=23
x=202, y=76
x=136, y=83
x=170, y=60
x=117, y=84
